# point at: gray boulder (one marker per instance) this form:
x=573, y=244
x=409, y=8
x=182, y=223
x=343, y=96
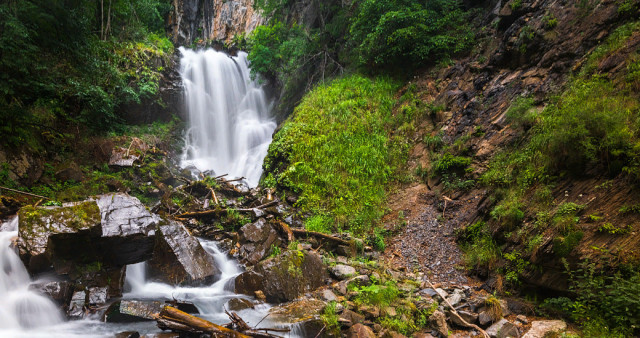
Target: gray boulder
x=342, y=271
x=126, y=311
x=179, y=259
x=542, y=328
x=503, y=329
x=285, y=277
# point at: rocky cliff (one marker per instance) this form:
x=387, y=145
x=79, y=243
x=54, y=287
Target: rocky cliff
x=216, y=20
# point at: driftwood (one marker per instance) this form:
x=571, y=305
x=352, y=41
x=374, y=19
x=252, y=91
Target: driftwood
x=285, y=230
x=302, y=232
x=174, y=319
x=216, y=212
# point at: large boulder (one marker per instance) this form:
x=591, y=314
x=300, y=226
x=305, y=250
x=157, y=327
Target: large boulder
x=47, y=232
x=179, y=259
x=128, y=229
x=285, y=277
x=256, y=240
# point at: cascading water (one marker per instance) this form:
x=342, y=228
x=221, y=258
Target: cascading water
x=20, y=309
x=230, y=126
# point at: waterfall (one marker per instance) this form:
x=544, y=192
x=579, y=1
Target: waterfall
x=20, y=307
x=230, y=126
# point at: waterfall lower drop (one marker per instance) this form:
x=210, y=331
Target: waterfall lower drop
x=230, y=126
x=20, y=309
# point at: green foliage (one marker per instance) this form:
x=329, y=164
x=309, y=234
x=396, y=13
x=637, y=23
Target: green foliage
x=509, y=212
x=330, y=317
x=377, y=295
x=522, y=113
x=630, y=209
x=336, y=153
x=611, y=229
x=55, y=70
x=613, y=300
x=448, y=163
x=481, y=251
x=515, y=5
x=549, y=21
x=563, y=245
x=403, y=32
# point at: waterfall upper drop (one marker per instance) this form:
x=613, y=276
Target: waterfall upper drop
x=230, y=126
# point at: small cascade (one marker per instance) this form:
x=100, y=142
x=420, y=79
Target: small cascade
x=20, y=309
x=230, y=126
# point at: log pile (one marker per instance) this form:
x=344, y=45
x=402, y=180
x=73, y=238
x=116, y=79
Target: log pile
x=175, y=320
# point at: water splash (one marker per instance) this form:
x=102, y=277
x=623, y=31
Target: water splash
x=230, y=126
x=20, y=307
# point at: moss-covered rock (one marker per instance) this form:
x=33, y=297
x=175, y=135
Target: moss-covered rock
x=42, y=229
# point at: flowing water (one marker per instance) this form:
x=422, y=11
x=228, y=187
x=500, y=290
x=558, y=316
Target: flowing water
x=25, y=313
x=230, y=126
x=230, y=132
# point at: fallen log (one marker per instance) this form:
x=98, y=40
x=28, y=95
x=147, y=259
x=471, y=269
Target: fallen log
x=216, y=212
x=302, y=232
x=174, y=319
x=285, y=230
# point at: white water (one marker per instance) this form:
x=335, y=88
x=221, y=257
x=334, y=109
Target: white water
x=230, y=126
x=21, y=310
x=24, y=313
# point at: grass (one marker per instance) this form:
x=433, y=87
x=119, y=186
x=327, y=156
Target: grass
x=338, y=153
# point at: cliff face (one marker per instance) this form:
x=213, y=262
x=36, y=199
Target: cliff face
x=218, y=20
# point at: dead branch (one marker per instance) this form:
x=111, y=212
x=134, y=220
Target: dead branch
x=24, y=193
x=307, y=233
x=172, y=318
x=455, y=313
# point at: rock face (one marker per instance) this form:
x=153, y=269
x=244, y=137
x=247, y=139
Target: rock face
x=49, y=232
x=285, y=277
x=218, y=20
x=179, y=259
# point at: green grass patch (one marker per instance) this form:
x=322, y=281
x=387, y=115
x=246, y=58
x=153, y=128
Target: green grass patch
x=337, y=152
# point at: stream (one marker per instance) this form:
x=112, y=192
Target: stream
x=230, y=129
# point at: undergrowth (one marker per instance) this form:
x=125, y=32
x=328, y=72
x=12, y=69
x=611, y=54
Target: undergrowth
x=338, y=153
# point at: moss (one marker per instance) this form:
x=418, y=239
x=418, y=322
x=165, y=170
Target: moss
x=80, y=216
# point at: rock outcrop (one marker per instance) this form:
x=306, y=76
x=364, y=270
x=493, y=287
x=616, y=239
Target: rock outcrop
x=218, y=20
x=179, y=259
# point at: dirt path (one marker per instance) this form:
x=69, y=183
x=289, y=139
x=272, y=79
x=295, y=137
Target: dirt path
x=426, y=235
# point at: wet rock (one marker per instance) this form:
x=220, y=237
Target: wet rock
x=120, y=157
x=422, y=334
x=542, y=328
x=370, y=312
x=128, y=334
x=128, y=229
x=502, y=329
x=8, y=206
x=238, y=304
x=179, y=259
x=127, y=311
x=60, y=291
x=342, y=271
x=285, y=277
x=97, y=295
x=53, y=231
x=360, y=331
x=485, y=318
x=439, y=322
x=256, y=240
x=76, y=305
x=184, y=306
x=304, y=313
